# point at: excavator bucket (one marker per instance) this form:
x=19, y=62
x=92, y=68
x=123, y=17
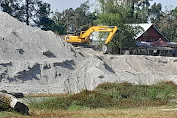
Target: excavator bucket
x=105, y=49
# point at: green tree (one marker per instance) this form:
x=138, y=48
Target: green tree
x=30, y=9
x=24, y=10
x=79, y=18
x=60, y=25
x=117, y=15
x=141, y=13
x=83, y=17
x=155, y=13
x=175, y=13
x=137, y=9
x=168, y=25
x=8, y=6
x=165, y=21
x=13, y=8
x=43, y=21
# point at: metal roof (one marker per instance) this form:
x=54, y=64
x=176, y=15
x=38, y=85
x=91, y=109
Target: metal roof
x=159, y=43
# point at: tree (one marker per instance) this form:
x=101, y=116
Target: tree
x=60, y=25
x=76, y=19
x=12, y=7
x=30, y=9
x=166, y=22
x=8, y=6
x=137, y=9
x=23, y=10
x=155, y=13
x=117, y=15
x=83, y=17
x=175, y=13
x=43, y=21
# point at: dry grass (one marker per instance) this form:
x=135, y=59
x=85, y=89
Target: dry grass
x=151, y=112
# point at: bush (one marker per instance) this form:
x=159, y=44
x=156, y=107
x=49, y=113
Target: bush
x=4, y=107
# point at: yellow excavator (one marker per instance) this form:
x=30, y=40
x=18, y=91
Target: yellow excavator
x=84, y=37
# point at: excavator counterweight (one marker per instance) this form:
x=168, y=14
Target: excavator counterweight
x=84, y=37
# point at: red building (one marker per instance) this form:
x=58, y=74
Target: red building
x=150, y=34
x=154, y=41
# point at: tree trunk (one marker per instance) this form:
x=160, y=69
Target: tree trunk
x=27, y=12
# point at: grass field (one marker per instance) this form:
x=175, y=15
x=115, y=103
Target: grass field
x=108, y=100
x=112, y=95
x=148, y=112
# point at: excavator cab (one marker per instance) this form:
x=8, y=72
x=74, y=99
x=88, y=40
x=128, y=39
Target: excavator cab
x=84, y=37
x=71, y=29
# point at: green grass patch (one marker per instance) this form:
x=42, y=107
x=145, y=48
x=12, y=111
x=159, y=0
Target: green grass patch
x=113, y=95
x=4, y=107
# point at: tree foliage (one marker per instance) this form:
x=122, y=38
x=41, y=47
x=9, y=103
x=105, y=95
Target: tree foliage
x=168, y=24
x=38, y=13
x=113, y=14
x=12, y=7
x=118, y=12
x=165, y=21
x=109, y=12
x=79, y=18
x=175, y=13
x=24, y=10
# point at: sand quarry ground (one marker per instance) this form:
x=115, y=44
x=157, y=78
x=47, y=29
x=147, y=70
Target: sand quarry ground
x=33, y=61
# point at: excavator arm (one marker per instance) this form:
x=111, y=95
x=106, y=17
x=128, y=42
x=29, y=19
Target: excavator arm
x=85, y=35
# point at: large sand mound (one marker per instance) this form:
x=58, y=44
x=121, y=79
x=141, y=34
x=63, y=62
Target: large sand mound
x=144, y=69
x=36, y=61
x=19, y=42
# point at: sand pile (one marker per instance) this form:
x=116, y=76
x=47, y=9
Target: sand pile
x=19, y=42
x=36, y=61
x=143, y=69
x=139, y=69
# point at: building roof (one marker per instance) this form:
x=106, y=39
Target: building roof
x=143, y=43
x=172, y=44
x=145, y=27
x=159, y=43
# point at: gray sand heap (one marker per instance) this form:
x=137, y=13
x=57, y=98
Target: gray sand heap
x=19, y=42
x=36, y=61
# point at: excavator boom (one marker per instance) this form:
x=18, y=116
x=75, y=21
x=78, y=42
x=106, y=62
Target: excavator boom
x=85, y=35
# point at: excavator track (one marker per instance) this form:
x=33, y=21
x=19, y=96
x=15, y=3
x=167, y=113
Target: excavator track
x=83, y=45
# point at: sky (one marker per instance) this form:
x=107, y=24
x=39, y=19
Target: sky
x=60, y=5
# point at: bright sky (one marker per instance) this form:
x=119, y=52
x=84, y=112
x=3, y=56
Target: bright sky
x=60, y=5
